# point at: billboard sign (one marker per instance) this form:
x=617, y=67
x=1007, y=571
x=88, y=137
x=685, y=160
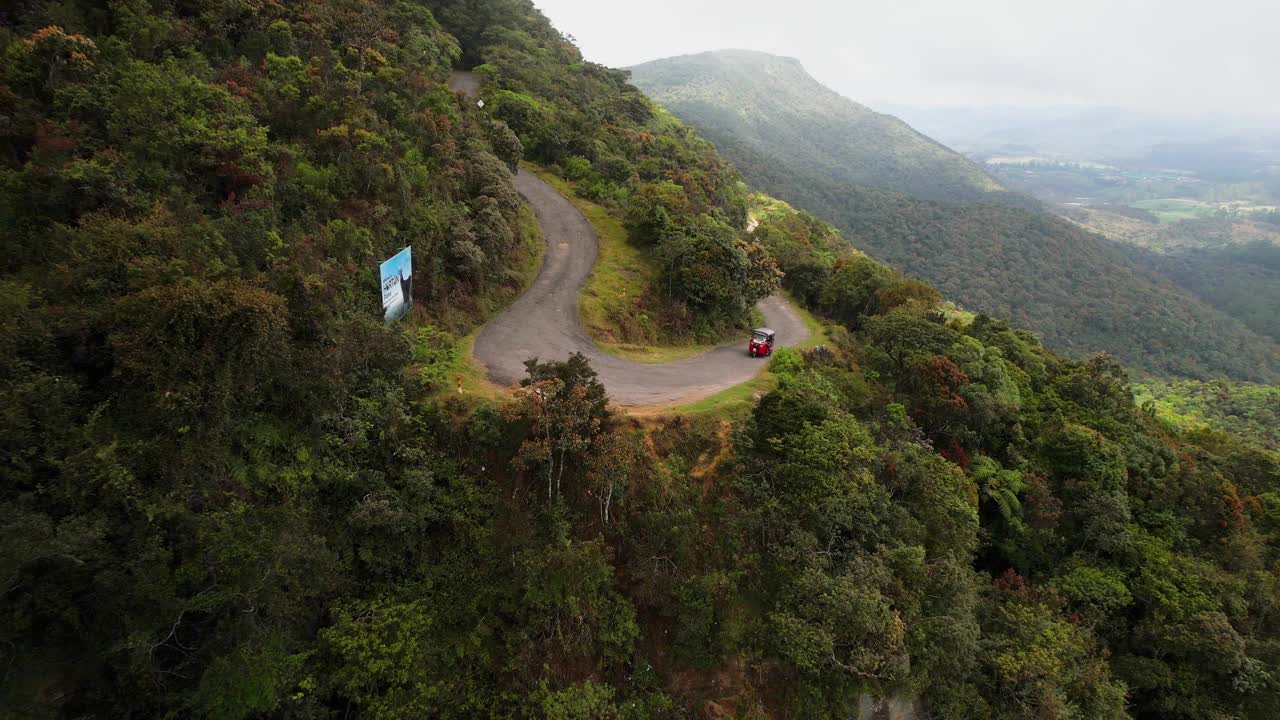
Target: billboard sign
x=397, y=284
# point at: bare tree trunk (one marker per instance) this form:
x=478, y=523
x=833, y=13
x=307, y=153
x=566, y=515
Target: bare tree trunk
x=608, y=499
x=560, y=472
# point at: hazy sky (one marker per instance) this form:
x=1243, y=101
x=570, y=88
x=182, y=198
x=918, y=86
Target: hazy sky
x=1171, y=55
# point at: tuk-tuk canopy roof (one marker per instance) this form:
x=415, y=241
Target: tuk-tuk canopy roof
x=762, y=331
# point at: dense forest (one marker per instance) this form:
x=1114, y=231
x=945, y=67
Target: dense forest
x=1244, y=409
x=231, y=491
x=1081, y=292
x=1230, y=263
x=1242, y=281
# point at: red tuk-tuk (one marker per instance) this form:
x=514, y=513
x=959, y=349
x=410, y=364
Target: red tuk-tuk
x=761, y=343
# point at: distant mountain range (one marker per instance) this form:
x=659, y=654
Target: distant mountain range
x=933, y=213
x=1090, y=133
x=764, y=102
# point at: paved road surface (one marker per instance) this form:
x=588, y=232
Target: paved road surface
x=544, y=323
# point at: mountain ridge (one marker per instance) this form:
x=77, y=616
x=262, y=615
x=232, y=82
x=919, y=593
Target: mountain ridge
x=892, y=154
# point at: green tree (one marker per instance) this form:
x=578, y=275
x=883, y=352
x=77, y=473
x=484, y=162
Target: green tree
x=904, y=336
x=564, y=405
x=653, y=211
x=853, y=287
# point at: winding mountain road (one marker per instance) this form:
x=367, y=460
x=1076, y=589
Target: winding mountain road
x=544, y=323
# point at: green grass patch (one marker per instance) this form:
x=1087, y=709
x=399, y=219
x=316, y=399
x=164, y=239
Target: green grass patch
x=734, y=403
x=1171, y=210
x=817, y=329
x=475, y=378
x=654, y=354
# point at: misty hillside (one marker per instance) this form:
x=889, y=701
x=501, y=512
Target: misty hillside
x=1082, y=292
x=766, y=101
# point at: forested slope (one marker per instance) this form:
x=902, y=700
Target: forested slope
x=1230, y=263
x=771, y=104
x=1082, y=292
x=230, y=491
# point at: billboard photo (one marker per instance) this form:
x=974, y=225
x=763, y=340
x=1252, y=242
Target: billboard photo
x=397, y=284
